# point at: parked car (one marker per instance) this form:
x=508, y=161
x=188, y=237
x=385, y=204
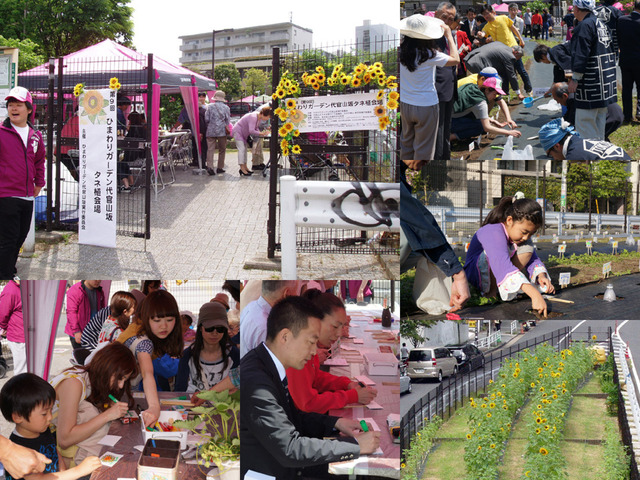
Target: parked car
x=238, y=110
x=469, y=357
x=405, y=381
x=431, y=362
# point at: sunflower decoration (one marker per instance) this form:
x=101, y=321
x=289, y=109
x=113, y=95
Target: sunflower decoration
x=114, y=84
x=296, y=149
x=291, y=104
x=392, y=104
x=78, y=89
x=380, y=111
x=93, y=104
x=282, y=132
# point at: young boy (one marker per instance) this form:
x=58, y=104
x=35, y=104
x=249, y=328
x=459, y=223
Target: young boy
x=27, y=400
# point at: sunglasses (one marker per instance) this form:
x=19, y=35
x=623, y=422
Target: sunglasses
x=219, y=329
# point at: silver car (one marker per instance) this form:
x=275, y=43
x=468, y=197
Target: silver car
x=431, y=362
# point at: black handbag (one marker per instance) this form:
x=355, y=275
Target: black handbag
x=250, y=141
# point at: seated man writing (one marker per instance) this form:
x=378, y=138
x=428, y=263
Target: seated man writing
x=278, y=439
x=562, y=142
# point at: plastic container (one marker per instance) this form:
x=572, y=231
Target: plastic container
x=159, y=462
x=609, y=294
x=180, y=435
x=381, y=364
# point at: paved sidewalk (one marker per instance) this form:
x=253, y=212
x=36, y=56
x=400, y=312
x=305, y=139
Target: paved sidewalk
x=201, y=227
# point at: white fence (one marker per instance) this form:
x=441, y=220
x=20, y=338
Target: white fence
x=562, y=220
x=630, y=394
x=344, y=205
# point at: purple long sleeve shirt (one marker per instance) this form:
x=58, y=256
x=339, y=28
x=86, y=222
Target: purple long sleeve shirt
x=247, y=125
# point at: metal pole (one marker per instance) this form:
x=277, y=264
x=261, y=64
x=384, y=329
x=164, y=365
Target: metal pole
x=147, y=180
x=481, y=191
x=59, y=121
x=273, y=160
x=626, y=219
x=50, y=145
x=213, y=54
x=393, y=295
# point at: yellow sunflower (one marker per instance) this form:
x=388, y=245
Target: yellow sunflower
x=285, y=152
x=280, y=93
x=278, y=111
x=296, y=149
x=93, y=102
x=284, y=144
x=356, y=82
x=296, y=133
x=288, y=127
x=291, y=103
x=113, y=82
x=394, y=95
x=282, y=132
x=377, y=65
x=380, y=95
x=331, y=82
x=543, y=451
x=274, y=96
x=392, y=104
x=320, y=77
x=296, y=117
x=283, y=116
x=315, y=86
x=320, y=69
x=366, y=78
x=380, y=111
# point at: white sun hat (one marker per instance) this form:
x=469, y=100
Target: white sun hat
x=421, y=26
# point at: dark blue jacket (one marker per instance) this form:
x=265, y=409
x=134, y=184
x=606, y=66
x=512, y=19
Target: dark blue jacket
x=629, y=38
x=609, y=16
x=581, y=149
x=592, y=55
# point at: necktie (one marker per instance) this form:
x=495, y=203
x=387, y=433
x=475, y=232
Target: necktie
x=285, y=384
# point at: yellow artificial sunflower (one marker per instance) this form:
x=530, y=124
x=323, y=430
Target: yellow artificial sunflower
x=394, y=96
x=315, y=86
x=291, y=103
x=280, y=93
x=296, y=117
x=296, y=133
x=392, y=104
x=274, y=96
x=321, y=78
x=282, y=132
x=296, y=149
x=380, y=95
x=320, y=69
x=345, y=80
x=288, y=127
x=331, y=82
x=304, y=76
x=278, y=111
x=284, y=144
x=118, y=86
x=285, y=152
x=113, y=82
x=356, y=82
x=93, y=102
x=380, y=111
x=283, y=116
x=293, y=90
x=366, y=78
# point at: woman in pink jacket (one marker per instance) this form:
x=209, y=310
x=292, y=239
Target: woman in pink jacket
x=21, y=177
x=11, y=325
x=84, y=299
x=247, y=126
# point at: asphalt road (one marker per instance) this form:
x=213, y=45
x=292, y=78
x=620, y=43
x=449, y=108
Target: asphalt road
x=630, y=332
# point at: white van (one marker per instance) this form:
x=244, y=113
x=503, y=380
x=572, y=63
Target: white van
x=431, y=362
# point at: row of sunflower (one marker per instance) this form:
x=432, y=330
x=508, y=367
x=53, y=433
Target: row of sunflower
x=545, y=377
x=292, y=118
x=557, y=377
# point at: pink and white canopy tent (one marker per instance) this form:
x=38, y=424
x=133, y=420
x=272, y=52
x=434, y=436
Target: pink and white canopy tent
x=41, y=307
x=502, y=8
x=95, y=65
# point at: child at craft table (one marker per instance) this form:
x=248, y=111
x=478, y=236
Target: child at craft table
x=27, y=400
x=501, y=255
x=157, y=336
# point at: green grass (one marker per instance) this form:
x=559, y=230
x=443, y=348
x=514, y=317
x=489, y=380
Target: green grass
x=445, y=462
x=595, y=259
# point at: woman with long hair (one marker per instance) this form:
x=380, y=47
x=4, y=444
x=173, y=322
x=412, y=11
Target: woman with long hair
x=155, y=335
x=83, y=404
x=208, y=361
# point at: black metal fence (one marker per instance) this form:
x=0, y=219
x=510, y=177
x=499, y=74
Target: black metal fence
x=451, y=395
x=589, y=188
x=625, y=428
x=363, y=155
x=56, y=109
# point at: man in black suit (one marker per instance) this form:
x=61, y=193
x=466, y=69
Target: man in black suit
x=278, y=439
x=469, y=25
x=629, y=42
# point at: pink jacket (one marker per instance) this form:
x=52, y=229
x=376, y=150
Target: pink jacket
x=247, y=125
x=20, y=167
x=11, y=312
x=79, y=309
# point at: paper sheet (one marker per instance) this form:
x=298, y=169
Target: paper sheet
x=336, y=362
x=109, y=440
x=374, y=406
x=358, y=340
x=109, y=459
x=366, y=380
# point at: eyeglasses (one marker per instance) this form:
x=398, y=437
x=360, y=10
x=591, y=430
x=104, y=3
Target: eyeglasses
x=219, y=329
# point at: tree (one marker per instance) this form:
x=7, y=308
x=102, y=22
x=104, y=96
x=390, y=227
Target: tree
x=412, y=328
x=609, y=179
x=60, y=27
x=228, y=79
x=27, y=58
x=255, y=79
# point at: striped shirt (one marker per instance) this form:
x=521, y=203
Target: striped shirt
x=92, y=330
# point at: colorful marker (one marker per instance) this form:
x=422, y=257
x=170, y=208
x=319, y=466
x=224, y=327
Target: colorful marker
x=113, y=398
x=363, y=425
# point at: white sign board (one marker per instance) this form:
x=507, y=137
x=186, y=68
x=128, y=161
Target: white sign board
x=337, y=112
x=562, y=248
x=565, y=278
x=98, y=175
x=606, y=268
